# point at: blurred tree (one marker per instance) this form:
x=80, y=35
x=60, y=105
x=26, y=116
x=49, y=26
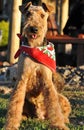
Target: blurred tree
x=1, y=3
x=15, y=22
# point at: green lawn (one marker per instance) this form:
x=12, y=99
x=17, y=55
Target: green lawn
x=76, y=97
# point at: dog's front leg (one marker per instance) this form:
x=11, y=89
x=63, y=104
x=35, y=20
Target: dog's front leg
x=16, y=103
x=51, y=101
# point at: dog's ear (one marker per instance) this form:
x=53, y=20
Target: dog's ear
x=24, y=8
x=47, y=8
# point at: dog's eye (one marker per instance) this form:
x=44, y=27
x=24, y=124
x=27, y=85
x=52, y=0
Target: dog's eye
x=28, y=13
x=42, y=15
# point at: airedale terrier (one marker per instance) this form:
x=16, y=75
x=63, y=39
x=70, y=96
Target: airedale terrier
x=36, y=90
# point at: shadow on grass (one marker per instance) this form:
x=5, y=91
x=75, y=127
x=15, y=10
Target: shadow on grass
x=3, y=112
x=6, y=96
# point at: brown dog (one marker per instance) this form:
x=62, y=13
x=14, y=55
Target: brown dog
x=36, y=90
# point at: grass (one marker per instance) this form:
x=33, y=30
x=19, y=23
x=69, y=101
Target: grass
x=3, y=109
x=76, y=97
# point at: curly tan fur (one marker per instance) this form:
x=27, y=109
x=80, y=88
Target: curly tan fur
x=35, y=93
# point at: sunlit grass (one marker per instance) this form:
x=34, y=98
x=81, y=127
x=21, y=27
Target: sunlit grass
x=76, y=99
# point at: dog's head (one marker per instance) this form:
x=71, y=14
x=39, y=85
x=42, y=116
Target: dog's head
x=35, y=24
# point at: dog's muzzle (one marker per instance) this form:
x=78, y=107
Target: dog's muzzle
x=33, y=29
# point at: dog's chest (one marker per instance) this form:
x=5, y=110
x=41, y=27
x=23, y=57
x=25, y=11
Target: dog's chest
x=26, y=62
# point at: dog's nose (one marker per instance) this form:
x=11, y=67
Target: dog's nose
x=33, y=29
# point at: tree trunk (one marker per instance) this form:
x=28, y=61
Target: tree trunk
x=1, y=6
x=15, y=22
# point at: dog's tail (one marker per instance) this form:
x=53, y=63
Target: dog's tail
x=58, y=81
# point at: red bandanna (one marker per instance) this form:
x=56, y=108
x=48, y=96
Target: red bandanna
x=44, y=54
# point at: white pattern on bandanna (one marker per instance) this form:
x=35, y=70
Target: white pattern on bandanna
x=48, y=50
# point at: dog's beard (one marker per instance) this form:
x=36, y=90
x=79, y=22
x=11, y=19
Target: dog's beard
x=35, y=39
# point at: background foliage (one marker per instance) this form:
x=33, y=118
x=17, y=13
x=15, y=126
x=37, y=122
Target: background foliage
x=4, y=26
